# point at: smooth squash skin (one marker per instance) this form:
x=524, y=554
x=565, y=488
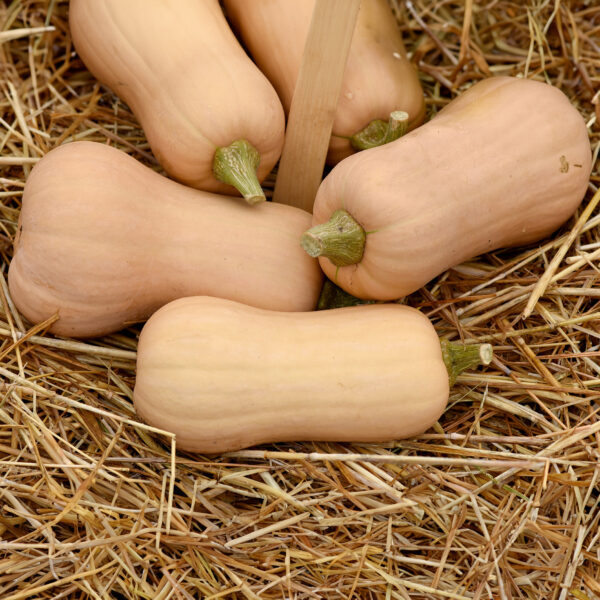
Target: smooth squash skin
x=190, y=84
x=503, y=165
x=105, y=241
x=378, y=78
x=224, y=376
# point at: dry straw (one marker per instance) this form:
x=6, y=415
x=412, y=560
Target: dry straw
x=499, y=500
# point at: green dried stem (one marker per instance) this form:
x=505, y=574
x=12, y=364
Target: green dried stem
x=332, y=296
x=459, y=358
x=236, y=165
x=341, y=239
x=378, y=132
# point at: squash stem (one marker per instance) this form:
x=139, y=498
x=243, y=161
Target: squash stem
x=333, y=296
x=459, y=358
x=341, y=239
x=378, y=132
x=236, y=165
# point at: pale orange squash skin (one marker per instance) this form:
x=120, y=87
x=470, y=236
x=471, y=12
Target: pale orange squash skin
x=378, y=78
x=105, y=241
x=224, y=376
x=487, y=172
x=190, y=84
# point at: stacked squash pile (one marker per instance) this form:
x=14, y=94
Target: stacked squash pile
x=234, y=353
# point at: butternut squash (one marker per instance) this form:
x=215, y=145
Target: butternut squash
x=105, y=241
x=223, y=376
x=503, y=165
x=211, y=117
x=378, y=79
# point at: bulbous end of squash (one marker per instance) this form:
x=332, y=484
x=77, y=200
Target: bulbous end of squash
x=459, y=358
x=341, y=239
x=236, y=165
x=378, y=132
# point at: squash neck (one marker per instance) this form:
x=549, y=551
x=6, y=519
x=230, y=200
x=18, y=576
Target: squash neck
x=236, y=165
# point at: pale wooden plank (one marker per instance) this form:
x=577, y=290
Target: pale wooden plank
x=313, y=105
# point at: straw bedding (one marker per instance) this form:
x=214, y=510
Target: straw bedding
x=499, y=500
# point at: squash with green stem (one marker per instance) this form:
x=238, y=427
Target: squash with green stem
x=104, y=241
x=212, y=119
x=505, y=164
x=381, y=95
x=223, y=376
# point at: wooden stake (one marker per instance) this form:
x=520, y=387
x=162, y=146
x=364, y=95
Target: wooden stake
x=314, y=102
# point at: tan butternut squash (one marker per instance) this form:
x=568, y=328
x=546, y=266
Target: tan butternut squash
x=378, y=78
x=503, y=165
x=105, y=241
x=222, y=376
x=211, y=117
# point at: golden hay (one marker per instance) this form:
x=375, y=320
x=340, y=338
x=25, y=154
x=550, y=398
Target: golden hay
x=499, y=500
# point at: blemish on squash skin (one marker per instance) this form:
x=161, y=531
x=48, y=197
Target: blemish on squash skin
x=564, y=164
